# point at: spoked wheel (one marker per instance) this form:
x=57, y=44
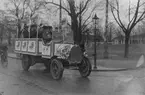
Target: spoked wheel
x=56, y=69
x=85, y=67
x=26, y=62
x=4, y=60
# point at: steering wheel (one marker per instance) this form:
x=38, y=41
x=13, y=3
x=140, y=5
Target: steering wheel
x=46, y=36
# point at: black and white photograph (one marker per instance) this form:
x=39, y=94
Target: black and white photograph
x=72, y=47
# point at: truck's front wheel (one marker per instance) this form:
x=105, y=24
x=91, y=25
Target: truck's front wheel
x=85, y=67
x=26, y=62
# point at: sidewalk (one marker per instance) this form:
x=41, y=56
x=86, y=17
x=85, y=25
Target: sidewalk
x=12, y=55
x=108, y=64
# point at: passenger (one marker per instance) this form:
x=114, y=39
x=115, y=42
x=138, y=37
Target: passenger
x=47, y=34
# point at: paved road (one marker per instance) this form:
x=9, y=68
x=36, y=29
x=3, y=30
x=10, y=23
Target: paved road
x=14, y=81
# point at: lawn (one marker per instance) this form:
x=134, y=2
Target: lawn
x=116, y=52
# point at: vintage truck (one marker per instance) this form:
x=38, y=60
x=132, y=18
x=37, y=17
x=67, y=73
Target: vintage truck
x=55, y=55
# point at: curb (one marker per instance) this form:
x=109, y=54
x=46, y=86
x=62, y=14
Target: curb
x=108, y=69
x=14, y=57
x=115, y=69
x=123, y=69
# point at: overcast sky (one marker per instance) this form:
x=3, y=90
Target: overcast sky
x=2, y=4
x=124, y=2
x=124, y=6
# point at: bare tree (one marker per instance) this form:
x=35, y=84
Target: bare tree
x=134, y=17
x=76, y=13
x=33, y=8
x=2, y=25
x=111, y=31
x=18, y=9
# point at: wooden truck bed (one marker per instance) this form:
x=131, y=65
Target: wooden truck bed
x=34, y=46
x=31, y=46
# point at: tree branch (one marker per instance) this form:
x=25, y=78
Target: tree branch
x=112, y=10
x=139, y=19
x=64, y=4
x=59, y=6
x=86, y=4
x=23, y=9
x=129, y=11
x=88, y=17
x=136, y=13
x=118, y=14
x=83, y=28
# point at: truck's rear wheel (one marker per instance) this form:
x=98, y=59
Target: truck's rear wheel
x=85, y=67
x=26, y=62
x=56, y=69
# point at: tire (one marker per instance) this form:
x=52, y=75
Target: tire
x=85, y=67
x=26, y=62
x=56, y=69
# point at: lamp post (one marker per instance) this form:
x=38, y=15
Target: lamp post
x=95, y=19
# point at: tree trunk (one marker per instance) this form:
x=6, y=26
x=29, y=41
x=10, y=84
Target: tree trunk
x=9, y=38
x=106, y=54
x=76, y=33
x=2, y=33
x=19, y=31
x=74, y=23
x=126, y=50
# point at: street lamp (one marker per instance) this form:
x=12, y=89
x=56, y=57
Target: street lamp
x=95, y=19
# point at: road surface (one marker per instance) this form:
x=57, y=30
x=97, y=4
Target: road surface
x=14, y=81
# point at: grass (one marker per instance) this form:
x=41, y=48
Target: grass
x=116, y=56
x=116, y=52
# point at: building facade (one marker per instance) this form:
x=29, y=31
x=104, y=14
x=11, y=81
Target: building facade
x=135, y=39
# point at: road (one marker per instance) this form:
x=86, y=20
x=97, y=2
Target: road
x=14, y=81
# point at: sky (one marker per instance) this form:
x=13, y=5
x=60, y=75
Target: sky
x=2, y=4
x=101, y=15
x=124, y=2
